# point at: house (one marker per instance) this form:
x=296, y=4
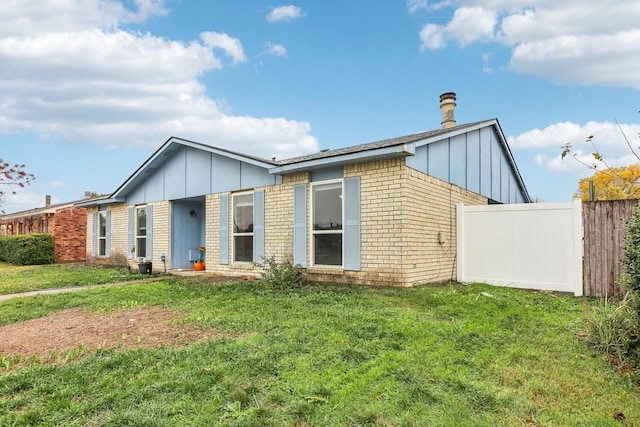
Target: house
x=66, y=222
x=379, y=213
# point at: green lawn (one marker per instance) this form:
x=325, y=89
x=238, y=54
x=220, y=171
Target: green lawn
x=455, y=355
x=15, y=279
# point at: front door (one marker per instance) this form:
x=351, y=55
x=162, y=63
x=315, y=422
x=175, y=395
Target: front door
x=187, y=231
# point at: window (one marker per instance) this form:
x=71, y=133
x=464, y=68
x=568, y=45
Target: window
x=327, y=223
x=43, y=225
x=141, y=232
x=243, y=227
x=102, y=233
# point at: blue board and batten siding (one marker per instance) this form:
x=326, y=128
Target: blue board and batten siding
x=190, y=172
x=475, y=160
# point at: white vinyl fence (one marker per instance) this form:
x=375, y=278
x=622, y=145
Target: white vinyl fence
x=530, y=246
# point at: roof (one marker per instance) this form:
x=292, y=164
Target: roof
x=377, y=145
x=51, y=209
x=402, y=146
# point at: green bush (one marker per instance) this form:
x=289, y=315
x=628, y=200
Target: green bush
x=30, y=249
x=630, y=261
x=283, y=275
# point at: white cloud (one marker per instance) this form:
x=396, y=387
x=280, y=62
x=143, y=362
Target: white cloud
x=71, y=73
x=566, y=42
x=432, y=37
x=275, y=49
x=28, y=18
x=609, y=139
x=468, y=25
x=228, y=45
x=285, y=13
x=414, y=5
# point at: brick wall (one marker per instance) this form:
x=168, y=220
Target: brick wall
x=402, y=212
x=278, y=227
x=69, y=228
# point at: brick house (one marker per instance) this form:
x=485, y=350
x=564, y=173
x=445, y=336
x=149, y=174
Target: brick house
x=66, y=222
x=379, y=213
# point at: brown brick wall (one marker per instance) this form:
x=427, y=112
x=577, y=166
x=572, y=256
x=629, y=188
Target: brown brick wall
x=69, y=228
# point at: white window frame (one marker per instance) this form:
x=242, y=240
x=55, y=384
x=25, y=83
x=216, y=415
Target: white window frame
x=234, y=233
x=313, y=232
x=102, y=239
x=141, y=237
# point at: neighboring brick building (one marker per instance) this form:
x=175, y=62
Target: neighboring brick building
x=66, y=222
x=380, y=213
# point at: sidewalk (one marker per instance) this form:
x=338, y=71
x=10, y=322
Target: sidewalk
x=76, y=288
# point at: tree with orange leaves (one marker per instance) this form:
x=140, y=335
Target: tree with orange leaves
x=612, y=184
x=13, y=176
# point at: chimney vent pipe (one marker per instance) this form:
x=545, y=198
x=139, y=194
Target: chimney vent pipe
x=448, y=105
x=47, y=200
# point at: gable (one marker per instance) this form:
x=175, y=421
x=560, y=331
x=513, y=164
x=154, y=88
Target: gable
x=182, y=171
x=477, y=160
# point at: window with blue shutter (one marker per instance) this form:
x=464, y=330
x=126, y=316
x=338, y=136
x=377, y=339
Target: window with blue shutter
x=223, y=231
x=352, y=248
x=102, y=233
x=108, y=236
x=300, y=247
x=258, y=227
x=150, y=232
x=130, y=234
x=94, y=234
x=327, y=223
x=141, y=232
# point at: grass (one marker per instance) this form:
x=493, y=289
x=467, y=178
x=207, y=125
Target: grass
x=16, y=279
x=457, y=355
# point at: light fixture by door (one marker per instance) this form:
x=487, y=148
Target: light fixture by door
x=192, y=213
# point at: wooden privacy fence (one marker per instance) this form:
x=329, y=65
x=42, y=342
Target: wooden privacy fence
x=603, y=233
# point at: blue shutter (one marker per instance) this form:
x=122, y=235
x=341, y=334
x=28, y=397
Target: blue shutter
x=94, y=234
x=258, y=227
x=107, y=250
x=300, y=238
x=223, y=239
x=149, y=232
x=352, y=224
x=130, y=235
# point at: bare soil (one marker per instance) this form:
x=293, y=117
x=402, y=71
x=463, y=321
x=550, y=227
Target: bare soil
x=68, y=329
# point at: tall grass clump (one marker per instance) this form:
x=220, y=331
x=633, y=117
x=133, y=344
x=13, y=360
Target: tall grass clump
x=613, y=329
x=281, y=275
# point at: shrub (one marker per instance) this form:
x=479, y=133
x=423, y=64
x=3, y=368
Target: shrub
x=30, y=249
x=282, y=275
x=630, y=261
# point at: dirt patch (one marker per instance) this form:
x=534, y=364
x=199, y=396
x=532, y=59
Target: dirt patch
x=66, y=330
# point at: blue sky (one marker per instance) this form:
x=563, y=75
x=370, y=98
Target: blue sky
x=89, y=89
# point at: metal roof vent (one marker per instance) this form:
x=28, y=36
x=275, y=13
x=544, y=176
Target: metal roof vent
x=448, y=106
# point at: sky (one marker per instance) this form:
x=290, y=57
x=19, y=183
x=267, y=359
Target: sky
x=90, y=89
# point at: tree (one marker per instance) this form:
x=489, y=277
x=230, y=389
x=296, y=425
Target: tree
x=612, y=184
x=12, y=176
x=617, y=183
